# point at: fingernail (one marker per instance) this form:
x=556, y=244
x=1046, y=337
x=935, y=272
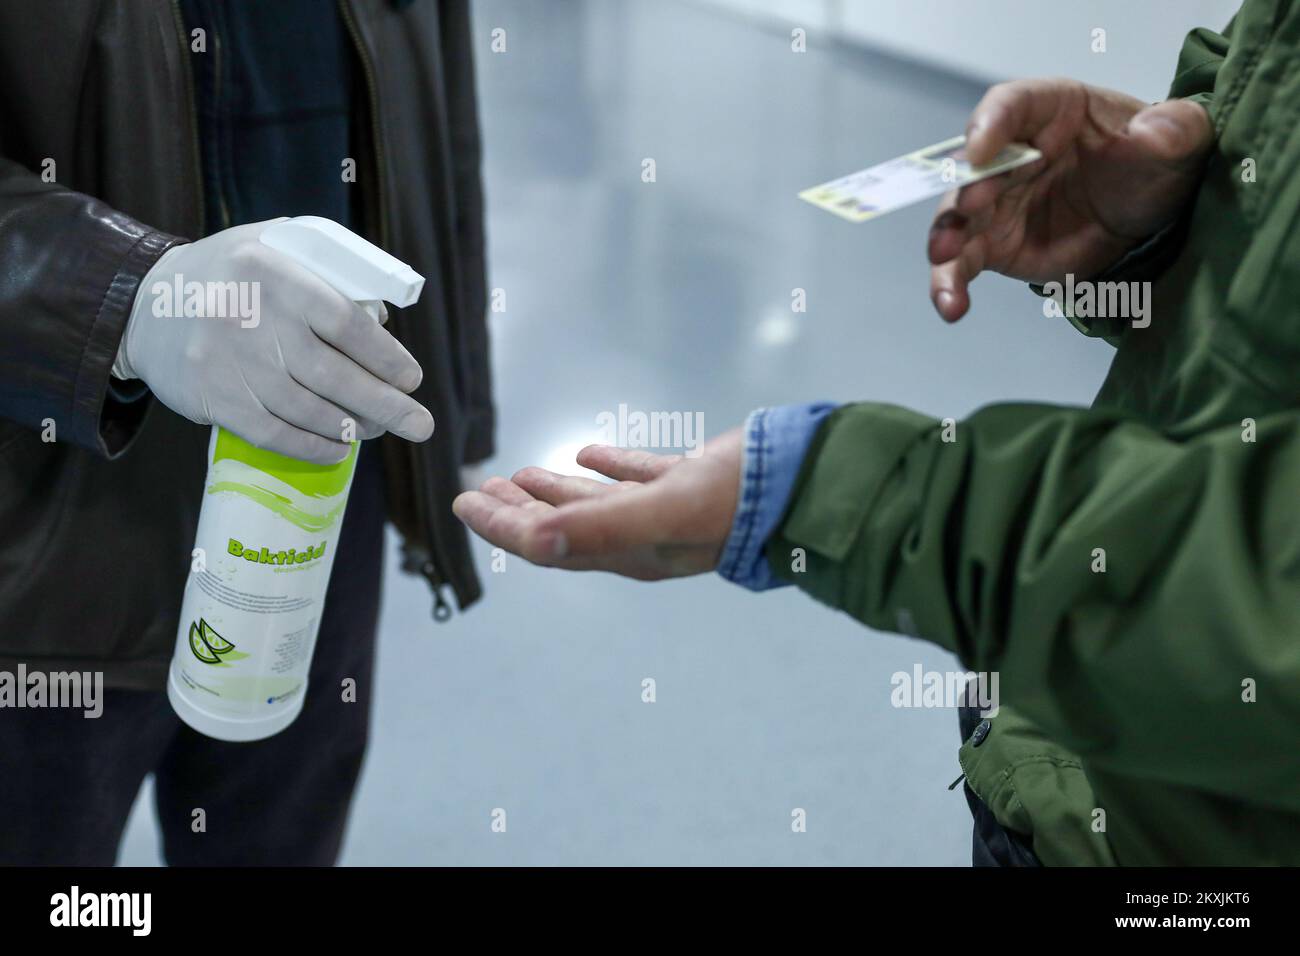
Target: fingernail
x=944, y=301
x=555, y=544
x=949, y=219
x=1160, y=125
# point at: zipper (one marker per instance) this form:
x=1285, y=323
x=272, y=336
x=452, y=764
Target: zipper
x=419, y=560
x=216, y=103
x=191, y=111
x=372, y=93
x=425, y=560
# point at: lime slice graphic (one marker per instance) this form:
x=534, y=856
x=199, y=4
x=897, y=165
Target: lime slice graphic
x=210, y=647
x=200, y=648
x=215, y=641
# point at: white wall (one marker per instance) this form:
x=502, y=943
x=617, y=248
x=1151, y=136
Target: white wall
x=999, y=39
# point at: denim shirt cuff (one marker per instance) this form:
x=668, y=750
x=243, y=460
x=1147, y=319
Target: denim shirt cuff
x=776, y=440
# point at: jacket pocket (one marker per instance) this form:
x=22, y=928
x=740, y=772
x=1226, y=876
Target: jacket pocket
x=95, y=553
x=1036, y=788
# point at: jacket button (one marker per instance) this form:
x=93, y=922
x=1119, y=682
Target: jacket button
x=980, y=733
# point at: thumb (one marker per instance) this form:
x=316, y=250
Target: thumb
x=1172, y=131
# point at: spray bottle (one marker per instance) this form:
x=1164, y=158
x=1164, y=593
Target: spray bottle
x=267, y=533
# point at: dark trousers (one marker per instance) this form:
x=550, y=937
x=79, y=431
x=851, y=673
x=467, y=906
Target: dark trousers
x=67, y=783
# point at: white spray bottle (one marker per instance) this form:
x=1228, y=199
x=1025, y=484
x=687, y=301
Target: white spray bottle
x=267, y=533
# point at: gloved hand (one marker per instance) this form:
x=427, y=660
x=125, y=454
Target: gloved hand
x=287, y=378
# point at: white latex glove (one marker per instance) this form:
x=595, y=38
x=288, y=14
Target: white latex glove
x=289, y=379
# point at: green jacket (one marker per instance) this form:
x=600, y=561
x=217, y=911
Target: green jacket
x=1151, y=711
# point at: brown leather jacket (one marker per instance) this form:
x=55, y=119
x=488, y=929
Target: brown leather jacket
x=99, y=499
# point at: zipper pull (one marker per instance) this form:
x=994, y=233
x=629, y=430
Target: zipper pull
x=953, y=785
x=417, y=559
x=441, y=609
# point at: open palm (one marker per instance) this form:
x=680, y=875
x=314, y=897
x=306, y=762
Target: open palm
x=665, y=515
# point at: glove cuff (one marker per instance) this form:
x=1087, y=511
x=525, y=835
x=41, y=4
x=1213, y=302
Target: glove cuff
x=122, y=367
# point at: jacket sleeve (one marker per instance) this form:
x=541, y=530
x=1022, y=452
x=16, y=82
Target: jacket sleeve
x=69, y=270
x=1133, y=592
x=467, y=156
x=1199, y=62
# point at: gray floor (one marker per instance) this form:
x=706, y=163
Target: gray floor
x=675, y=295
